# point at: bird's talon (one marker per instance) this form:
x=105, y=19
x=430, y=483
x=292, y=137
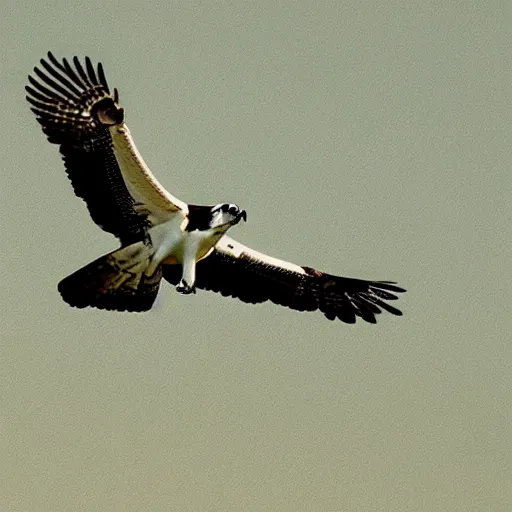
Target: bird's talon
x=184, y=288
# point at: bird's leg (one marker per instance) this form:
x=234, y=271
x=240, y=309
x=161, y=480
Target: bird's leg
x=188, y=278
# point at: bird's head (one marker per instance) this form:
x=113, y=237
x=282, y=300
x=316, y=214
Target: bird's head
x=226, y=214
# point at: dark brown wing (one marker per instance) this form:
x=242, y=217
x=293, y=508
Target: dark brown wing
x=115, y=281
x=237, y=271
x=66, y=100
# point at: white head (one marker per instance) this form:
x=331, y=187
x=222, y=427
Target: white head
x=218, y=218
x=226, y=214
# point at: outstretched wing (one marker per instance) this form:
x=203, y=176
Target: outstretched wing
x=76, y=110
x=235, y=270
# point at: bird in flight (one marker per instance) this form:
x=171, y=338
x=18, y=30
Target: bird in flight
x=162, y=237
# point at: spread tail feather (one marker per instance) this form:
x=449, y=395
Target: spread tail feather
x=115, y=281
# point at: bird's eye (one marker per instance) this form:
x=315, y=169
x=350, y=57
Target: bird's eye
x=233, y=210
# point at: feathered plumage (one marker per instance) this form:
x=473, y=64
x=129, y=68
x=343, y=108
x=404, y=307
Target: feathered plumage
x=161, y=235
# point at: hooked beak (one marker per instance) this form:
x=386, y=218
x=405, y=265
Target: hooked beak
x=243, y=215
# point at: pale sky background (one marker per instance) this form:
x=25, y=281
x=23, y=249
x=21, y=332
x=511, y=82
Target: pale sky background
x=367, y=139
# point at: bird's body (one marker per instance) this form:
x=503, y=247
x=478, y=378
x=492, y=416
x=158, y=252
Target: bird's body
x=160, y=235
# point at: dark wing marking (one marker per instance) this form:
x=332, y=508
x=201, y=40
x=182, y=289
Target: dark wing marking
x=115, y=281
x=237, y=271
x=67, y=101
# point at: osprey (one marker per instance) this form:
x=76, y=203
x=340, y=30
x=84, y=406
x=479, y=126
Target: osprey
x=161, y=236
